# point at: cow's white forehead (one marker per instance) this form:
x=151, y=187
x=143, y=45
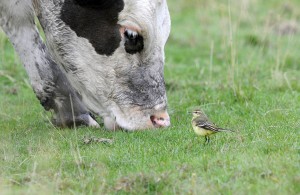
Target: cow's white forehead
x=150, y=17
x=143, y=14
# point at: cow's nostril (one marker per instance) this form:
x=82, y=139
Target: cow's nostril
x=160, y=120
x=153, y=120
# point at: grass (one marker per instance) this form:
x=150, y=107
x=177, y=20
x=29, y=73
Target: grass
x=237, y=60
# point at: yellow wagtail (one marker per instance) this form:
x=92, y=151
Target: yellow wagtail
x=203, y=126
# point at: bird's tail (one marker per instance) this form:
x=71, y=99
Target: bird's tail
x=225, y=130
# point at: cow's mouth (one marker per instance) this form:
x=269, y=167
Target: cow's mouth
x=160, y=120
x=135, y=119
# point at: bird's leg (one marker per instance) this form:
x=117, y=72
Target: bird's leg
x=207, y=139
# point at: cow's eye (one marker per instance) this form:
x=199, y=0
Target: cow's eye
x=130, y=34
x=133, y=42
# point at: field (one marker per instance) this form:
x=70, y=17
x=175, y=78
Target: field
x=237, y=60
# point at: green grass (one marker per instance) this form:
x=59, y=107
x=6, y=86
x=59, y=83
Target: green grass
x=237, y=60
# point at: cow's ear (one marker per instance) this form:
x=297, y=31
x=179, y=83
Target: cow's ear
x=103, y=4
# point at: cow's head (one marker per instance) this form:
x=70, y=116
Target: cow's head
x=113, y=54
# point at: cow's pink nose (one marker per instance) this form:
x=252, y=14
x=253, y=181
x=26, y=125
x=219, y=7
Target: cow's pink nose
x=160, y=119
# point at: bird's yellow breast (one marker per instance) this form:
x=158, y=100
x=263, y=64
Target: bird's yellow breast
x=202, y=132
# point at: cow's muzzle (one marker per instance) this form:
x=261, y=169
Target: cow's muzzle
x=161, y=119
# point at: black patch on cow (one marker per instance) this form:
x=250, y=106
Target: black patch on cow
x=133, y=44
x=95, y=20
x=101, y=4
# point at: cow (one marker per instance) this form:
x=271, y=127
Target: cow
x=99, y=57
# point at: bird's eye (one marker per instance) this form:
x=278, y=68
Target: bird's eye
x=133, y=42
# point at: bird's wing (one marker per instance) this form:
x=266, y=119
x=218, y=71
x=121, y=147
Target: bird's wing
x=207, y=125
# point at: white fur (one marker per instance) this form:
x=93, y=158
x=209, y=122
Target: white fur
x=92, y=123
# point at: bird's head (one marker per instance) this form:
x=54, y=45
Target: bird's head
x=198, y=112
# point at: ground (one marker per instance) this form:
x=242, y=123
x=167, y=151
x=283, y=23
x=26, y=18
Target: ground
x=237, y=60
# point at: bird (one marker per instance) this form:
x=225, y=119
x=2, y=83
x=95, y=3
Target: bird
x=204, y=127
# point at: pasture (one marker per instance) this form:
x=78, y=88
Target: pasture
x=237, y=60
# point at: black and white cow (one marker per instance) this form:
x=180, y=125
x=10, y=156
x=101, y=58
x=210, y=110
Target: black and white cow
x=104, y=57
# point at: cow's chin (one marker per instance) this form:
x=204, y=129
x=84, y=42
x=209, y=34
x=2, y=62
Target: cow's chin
x=133, y=119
